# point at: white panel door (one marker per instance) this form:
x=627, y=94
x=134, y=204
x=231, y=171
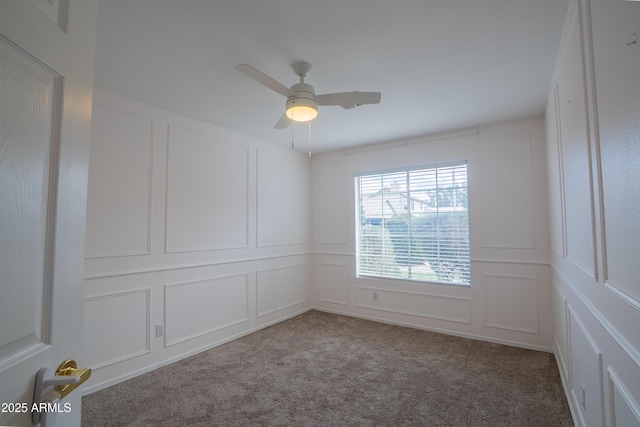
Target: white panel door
x=46, y=74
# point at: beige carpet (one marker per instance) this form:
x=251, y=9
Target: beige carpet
x=320, y=369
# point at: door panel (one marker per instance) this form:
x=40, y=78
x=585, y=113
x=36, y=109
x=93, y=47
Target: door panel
x=28, y=101
x=46, y=82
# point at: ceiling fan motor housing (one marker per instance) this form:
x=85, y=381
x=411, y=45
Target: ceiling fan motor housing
x=303, y=106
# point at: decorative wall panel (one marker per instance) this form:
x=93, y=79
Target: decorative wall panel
x=207, y=192
x=574, y=152
x=196, y=308
x=455, y=309
x=624, y=409
x=561, y=330
x=332, y=283
x=554, y=175
x=511, y=302
x=617, y=61
x=586, y=373
x=280, y=288
x=330, y=201
x=279, y=186
x=116, y=327
x=119, y=195
x=508, y=219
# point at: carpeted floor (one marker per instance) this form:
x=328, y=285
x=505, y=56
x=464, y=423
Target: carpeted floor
x=321, y=369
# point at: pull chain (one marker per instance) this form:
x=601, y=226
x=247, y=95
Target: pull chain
x=309, y=138
x=292, y=131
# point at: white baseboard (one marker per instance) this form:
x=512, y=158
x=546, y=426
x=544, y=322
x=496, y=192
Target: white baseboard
x=438, y=330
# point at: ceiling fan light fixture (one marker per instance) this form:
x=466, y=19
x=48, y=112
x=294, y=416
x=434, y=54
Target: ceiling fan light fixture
x=301, y=109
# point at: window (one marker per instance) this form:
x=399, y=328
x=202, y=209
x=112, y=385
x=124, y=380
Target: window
x=414, y=224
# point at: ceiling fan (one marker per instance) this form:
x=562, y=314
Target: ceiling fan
x=302, y=102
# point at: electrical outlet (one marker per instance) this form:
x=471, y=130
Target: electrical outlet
x=159, y=330
x=375, y=296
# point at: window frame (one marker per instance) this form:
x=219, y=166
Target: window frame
x=407, y=171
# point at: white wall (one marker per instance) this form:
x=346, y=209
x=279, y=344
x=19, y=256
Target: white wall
x=202, y=230
x=593, y=139
x=510, y=294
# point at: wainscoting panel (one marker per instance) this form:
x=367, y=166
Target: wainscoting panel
x=280, y=288
x=279, y=185
x=119, y=195
x=330, y=202
x=513, y=225
x=455, y=309
x=207, y=192
x=623, y=407
x=616, y=64
x=554, y=175
x=116, y=327
x=511, y=302
x=576, y=194
x=332, y=281
x=586, y=374
x=560, y=327
x=196, y=308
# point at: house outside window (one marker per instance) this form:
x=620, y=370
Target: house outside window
x=414, y=224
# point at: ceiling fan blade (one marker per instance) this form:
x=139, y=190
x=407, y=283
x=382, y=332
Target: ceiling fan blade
x=284, y=122
x=349, y=100
x=262, y=78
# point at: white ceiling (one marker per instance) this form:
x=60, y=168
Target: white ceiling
x=439, y=64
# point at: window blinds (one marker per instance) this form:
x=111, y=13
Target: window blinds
x=414, y=224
